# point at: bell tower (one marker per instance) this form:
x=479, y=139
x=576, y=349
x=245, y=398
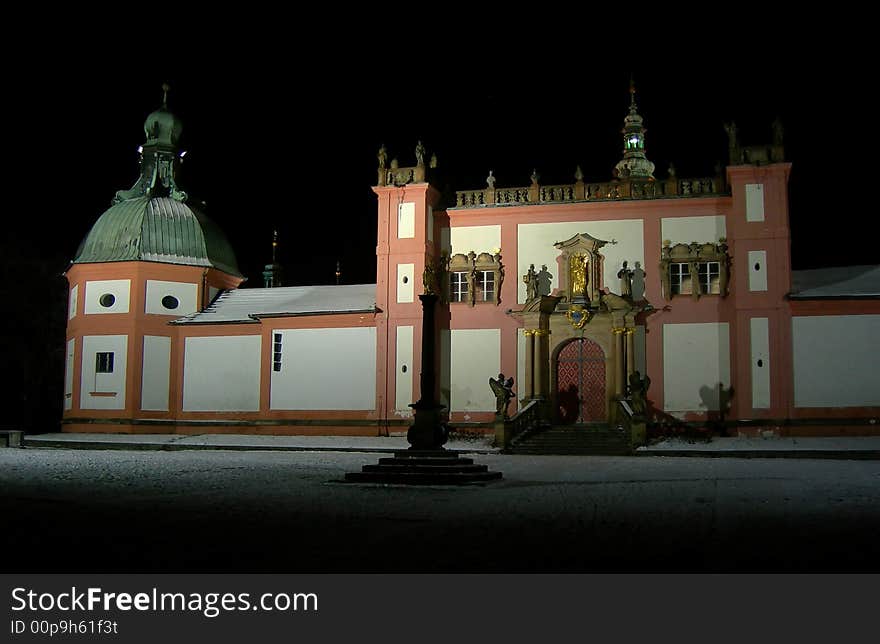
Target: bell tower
x=406, y=256
x=634, y=164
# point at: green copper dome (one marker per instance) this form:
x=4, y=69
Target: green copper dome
x=157, y=229
x=153, y=221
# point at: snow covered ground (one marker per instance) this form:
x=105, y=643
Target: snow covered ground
x=268, y=511
x=770, y=443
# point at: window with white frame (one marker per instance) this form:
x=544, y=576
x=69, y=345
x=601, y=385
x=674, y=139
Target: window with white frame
x=485, y=285
x=694, y=269
x=710, y=277
x=680, y=279
x=459, y=286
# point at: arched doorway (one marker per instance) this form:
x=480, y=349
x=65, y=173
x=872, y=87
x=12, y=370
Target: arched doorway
x=580, y=382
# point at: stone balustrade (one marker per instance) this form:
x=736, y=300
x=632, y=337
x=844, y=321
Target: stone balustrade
x=528, y=418
x=580, y=191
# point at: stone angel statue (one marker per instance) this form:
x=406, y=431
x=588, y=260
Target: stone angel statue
x=638, y=392
x=503, y=390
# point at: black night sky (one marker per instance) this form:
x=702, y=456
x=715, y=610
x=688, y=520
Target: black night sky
x=289, y=142
x=298, y=152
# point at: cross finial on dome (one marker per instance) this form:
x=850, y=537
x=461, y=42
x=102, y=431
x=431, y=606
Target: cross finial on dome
x=165, y=89
x=632, y=93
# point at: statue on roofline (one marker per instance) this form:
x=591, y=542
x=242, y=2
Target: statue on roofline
x=531, y=281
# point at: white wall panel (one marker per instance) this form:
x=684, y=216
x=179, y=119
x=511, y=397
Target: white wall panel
x=405, y=283
x=222, y=373
x=757, y=268
x=120, y=290
x=835, y=360
x=403, y=383
x=326, y=369
x=406, y=220
x=754, y=202
x=684, y=230
x=480, y=239
x=103, y=390
x=760, y=350
x=696, y=357
x=535, y=246
x=71, y=306
x=68, y=373
x=186, y=295
x=475, y=355
x=156, y=373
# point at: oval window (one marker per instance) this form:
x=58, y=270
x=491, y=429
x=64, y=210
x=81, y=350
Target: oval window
x=107, y=300
x=405, y=279
x=170, y=302
x=403, y=368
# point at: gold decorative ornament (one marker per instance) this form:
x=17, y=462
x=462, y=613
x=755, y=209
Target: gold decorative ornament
x=577, y=316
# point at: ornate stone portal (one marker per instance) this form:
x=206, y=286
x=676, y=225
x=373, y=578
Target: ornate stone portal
x=580, y=343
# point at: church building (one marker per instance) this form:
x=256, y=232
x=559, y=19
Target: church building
x=582, y=292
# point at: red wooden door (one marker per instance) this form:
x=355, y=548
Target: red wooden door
x=580, y=382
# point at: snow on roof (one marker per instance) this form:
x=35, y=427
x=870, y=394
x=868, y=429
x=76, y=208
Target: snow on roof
x=250, y=304
x=842, y=281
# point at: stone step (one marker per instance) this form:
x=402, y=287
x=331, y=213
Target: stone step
x=424, y=460
x=583, y=441
x=577, y=440
x=591, y=439
x=425, y=453
x=427, y=469
x=569, y=452
x=422, y=478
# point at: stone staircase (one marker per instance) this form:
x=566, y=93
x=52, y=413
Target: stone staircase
x=588, y=438
x=424, y=467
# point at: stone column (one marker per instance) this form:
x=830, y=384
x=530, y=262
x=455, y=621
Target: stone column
x=530, y=363
x=537, y=368
x=426, y=432
x=630, y=354
x=542, y=342
x=617, y=360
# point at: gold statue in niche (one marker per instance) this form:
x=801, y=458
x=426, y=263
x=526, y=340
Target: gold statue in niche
x=577, y=269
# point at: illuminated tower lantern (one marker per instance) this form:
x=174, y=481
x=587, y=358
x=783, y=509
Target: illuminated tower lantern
x=635, y=164
x=150, y=258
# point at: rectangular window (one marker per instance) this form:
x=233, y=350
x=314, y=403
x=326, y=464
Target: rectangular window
x=680, y=279
x=276, y=352
x=486, y=286
x=459, y=286
x=710, y=277
x=104, y=362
